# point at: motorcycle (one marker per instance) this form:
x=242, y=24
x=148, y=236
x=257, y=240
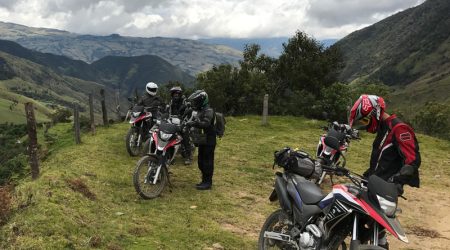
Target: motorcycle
x=326, y=155
x=309, y=219
x=151, y=174
x=141, y=122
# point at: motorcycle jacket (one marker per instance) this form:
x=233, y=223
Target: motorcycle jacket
x=153, y=103
x=177, y=106
x=204, y=121
x=395, y=153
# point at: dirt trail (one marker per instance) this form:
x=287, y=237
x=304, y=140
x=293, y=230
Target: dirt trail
x=426, y=219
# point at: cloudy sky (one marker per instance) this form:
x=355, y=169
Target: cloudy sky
x=202, y=18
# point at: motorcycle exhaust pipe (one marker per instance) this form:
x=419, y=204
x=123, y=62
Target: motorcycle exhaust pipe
x=280, y=237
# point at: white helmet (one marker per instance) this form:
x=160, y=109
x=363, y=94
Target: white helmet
x=151, y=88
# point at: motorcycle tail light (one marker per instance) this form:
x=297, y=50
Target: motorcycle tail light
x=388, y=207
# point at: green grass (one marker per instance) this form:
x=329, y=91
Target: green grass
x=230, y=214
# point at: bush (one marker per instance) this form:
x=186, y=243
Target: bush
x=61, y=115
x=13, y=169
x=433, y=119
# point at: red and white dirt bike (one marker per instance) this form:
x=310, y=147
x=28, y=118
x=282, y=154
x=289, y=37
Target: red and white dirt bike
x=151, y=174
x=141, y=122
x=309, y=219
x=326, y=155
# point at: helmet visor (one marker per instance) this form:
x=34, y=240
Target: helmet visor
x=153, y=90
x=362, y=123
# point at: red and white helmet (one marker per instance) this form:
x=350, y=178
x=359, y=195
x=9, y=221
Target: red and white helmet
x=367, y=112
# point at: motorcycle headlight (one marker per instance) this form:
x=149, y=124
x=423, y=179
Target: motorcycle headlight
x=388, y=207
x=164, y=136
x=136, y=114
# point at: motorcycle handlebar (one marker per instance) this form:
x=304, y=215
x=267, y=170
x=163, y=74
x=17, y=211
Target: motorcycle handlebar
x=341, y=171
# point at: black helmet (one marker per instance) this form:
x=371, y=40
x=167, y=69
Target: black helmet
x=199, y=99
x=176, y=90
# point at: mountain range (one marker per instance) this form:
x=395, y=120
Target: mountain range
x=409, y=51
x=53, y=80
x=190, y=55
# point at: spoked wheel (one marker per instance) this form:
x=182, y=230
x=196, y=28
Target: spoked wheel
x=144, y=176
x=131, y=142
x=277, y=222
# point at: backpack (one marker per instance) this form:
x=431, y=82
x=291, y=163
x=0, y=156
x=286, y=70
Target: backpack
x=219, y=124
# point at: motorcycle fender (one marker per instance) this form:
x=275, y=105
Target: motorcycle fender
x=395, y=225
x=154, y=156
x=282, y=194
x=273, y=196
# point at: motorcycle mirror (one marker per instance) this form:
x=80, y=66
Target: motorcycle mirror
x=332, y=142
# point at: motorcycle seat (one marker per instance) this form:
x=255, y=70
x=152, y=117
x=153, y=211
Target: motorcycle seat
x=309, y=192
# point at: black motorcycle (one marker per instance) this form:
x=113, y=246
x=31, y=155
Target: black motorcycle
x=309, y=219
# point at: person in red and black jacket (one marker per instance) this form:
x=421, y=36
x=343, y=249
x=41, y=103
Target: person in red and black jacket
x=395, y=151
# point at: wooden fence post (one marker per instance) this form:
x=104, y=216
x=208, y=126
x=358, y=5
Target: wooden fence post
x=76, y=124
x=91, y=112
x=32, y=136
x=118, y=104
x=265, y=109
x=105, y=115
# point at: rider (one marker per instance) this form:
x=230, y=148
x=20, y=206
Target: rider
x=177, y=104
x=206, y=142
x=150, y=100
x=395, y=151
x=177, y=107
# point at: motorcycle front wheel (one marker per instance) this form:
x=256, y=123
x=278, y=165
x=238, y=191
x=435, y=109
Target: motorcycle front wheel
x=278, y=222
x=131, y=142
x=144, y=176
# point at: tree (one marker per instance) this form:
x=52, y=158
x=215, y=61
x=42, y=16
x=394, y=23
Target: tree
x=306, y=65
x=433, y=119
x=239, y=91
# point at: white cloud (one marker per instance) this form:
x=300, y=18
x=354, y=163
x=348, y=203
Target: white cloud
x=202, y=18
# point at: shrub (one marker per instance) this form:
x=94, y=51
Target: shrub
x=13, y=169
x=61, y=115
x=433, y=119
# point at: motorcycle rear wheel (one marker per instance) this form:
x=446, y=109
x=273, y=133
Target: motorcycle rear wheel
x=131, y=142
x=145, y=167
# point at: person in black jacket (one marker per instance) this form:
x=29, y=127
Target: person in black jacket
x=177, y=104
x=150, y=100
x=204, y=136
x=177, y=107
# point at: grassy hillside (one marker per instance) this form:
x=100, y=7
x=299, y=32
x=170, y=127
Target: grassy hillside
x=25, y=80
x=401, y=48
x=49, y=214
x=126, y=73
x=15, y=112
